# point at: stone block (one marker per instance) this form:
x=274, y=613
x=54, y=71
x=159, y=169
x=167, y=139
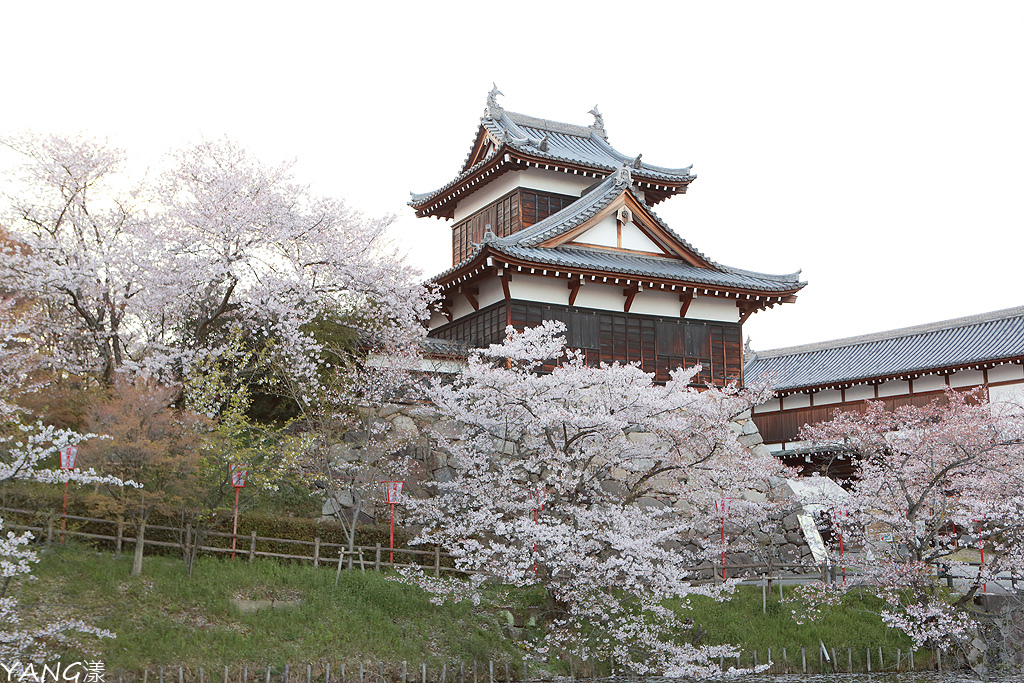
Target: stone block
x=642, y=437
x=750, y=440
x=404, y=423
x=449, y=429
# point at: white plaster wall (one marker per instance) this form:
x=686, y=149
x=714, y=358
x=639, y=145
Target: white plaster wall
x=602, y=297
x=603, y=234
x=769, y=406
x=828, y=397
x=555, y=181
x=533, y=178
x=893, y=388
x=796, y=401
x=460, y=306
x=634, y=238
x=860, y=392
x=436, y=320
x=541, y=289
x=490, y=292
x=1006, y=373
x=472, y=203
x=929, y=383
x=966, y=378
x=711, y=308
x=1006, y=397
x=655, y=303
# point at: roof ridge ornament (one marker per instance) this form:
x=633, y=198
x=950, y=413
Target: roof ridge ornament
x=598, y=124
x=543, y=144
x=636, y=162
x=623, y=177
x=493, y=110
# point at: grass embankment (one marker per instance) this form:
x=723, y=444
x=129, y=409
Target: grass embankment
x=168, y=618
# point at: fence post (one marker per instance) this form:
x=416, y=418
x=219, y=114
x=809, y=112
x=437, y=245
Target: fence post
x=120, y=532
x=316, y=551
x=49, y=529
x=337, y=574
x=376, y=560
x=252, y=547
x=404, y=672
x=437, y=560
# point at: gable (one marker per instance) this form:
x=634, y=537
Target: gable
x=611, y=232
x=483, y=145
x=626, y=225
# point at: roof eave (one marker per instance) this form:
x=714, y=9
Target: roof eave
x=912, y=374
x=489, y=257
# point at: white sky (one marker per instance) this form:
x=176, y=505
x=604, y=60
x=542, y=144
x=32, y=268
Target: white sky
x=877, y=145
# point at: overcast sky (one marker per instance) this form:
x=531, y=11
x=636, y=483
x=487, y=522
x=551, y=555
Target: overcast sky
x=879, y=146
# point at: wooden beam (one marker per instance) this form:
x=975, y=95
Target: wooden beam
x=506, y=277
x=746, y=309
x=685, y=299
x=630, y=294
x=574, y=289
x=471, y=294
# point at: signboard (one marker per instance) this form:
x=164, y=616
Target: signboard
x=68, y=457
x=238, y=474
x=392, y=491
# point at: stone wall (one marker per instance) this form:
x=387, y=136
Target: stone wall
x=781, y=541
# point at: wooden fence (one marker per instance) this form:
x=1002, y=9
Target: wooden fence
x=50, y=529
x=799, y=660
x=321, y=552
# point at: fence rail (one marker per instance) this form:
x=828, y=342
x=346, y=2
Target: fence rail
x=339, y=554
x=797, y=660
x=323, y=552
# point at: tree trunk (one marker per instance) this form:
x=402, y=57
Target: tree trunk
x=140, y=546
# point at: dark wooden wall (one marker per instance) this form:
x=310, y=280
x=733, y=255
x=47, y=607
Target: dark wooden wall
x=658, y=344
x=518, y=209
x=784, y=425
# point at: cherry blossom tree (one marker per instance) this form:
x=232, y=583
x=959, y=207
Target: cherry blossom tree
x=254, y=246
x=935, y=484
x=142, y=277
x=562, y=481
x=26, y=449
x=80, y=245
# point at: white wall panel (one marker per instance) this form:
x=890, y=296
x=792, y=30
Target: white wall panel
x=541, y=289
x=966, y=378
x=1006, y=373
x=894, y=388
x=860, y=392
x=929, y=383
x=828, y=397
x=712, y=308
x=656, y=303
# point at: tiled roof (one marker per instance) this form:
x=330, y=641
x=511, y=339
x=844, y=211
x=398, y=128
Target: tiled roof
x=444, y=348
x=653, y=267
x=568, y=142
x=558, y=142
x=523, y=245
x=587, y=206
x=950, y=343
